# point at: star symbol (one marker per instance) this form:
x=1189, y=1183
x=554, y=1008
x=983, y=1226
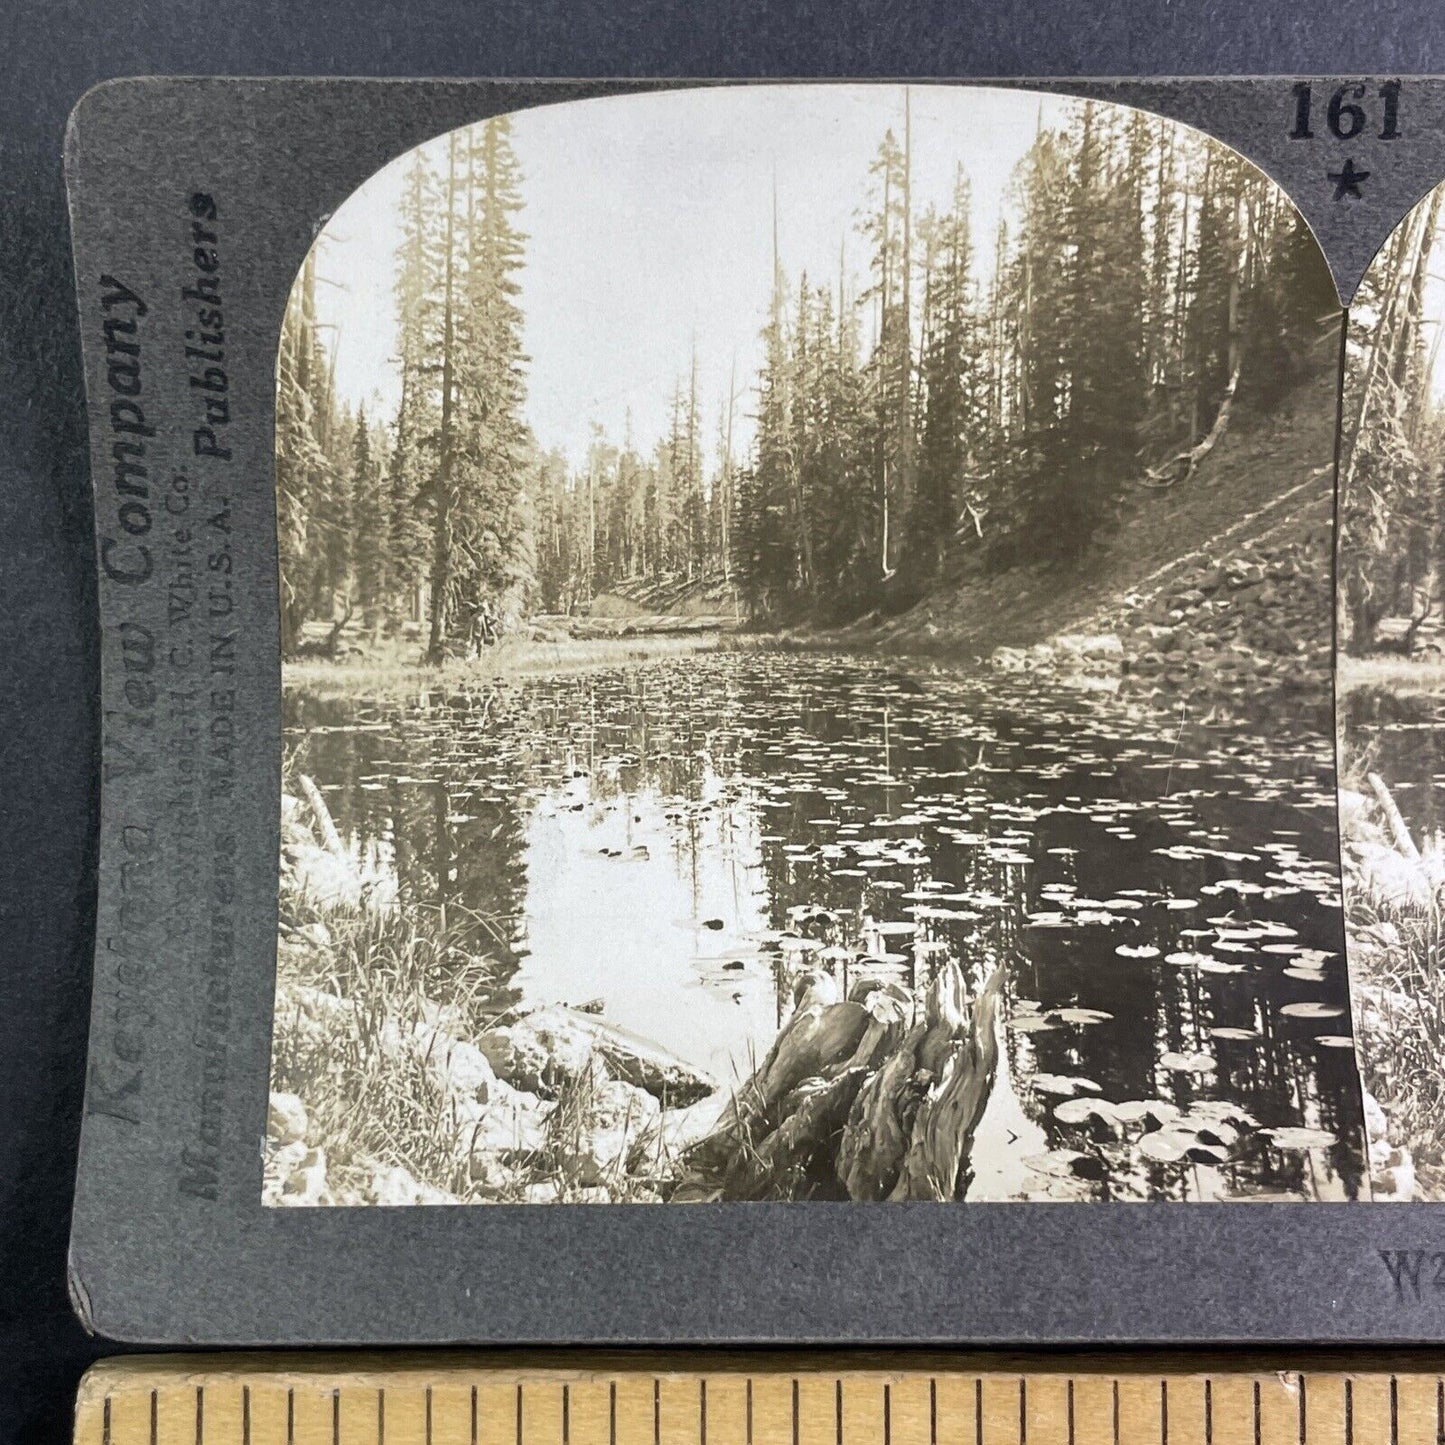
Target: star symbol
x=1347, y=180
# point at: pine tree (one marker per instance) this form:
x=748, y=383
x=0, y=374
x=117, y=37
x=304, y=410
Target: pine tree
x=413, y=453
x=951, y=420
x=304, y=478
x=371, y=513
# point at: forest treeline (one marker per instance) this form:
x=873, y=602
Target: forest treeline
x=1392, y=484
x=994, y=396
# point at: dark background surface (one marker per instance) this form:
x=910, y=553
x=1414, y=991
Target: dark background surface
x=51, y=53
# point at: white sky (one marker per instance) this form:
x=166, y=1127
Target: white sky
x=649, y=224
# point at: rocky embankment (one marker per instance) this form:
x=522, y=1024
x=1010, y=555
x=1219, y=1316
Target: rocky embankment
x=1245, y=623
x=383, y=1095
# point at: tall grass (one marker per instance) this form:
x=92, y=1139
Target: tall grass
x=368, y=995
x=1395, y=931
x=368, y=1097
x=1397, y=952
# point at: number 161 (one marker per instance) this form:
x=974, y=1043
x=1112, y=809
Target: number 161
x=1345, y=116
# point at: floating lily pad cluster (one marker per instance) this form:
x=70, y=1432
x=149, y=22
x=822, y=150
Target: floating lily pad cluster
x=1163, y=896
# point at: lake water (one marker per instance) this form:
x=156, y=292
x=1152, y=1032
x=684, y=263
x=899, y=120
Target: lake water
x=673, y=843
x=1403, y=739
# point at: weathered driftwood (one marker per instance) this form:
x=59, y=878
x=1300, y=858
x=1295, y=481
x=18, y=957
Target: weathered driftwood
x=801, y=1148
x=821, y=1032
x=846, y=1098
x=1399, y=830
x=880, y=1126
x=936, y=1166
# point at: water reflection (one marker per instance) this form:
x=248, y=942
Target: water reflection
x=1401, y=736
x=672, y=845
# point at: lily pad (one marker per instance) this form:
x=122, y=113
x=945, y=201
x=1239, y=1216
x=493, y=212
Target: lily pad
x=1192, y=1063
x=1031, y=1024
x=1062, y=1085
x=1080, y=1111
x=1311, y=1010
x=1082, y=1016
x=1300, y=1139
x=1134, y=1111
x=1165, y=1147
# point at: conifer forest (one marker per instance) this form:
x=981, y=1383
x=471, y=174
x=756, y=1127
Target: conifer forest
x=918, y=411
x=807, y=631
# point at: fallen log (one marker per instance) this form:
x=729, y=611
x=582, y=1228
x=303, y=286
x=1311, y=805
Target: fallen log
x=321, y=814
x=1399, y=830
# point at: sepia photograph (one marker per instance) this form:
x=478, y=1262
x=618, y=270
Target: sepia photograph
x=1391, y=717
x=807, y=637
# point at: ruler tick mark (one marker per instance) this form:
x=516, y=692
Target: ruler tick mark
x=1116, y=1412
x=838, y=1411
x=1440, y=1412
x=750, y=1411
x=795, y=1411
x=105, y=1422
x=381, y=1417
x=702, y=1411
x=336, y=1417
x=474, y=1415
x=566, y=1414
x=200, y=1414
x=1257, y=1422
x=1163, y=1412
x=978, y=1411
x=1394, y=1411
x=612, y=1414
x=519, y=1414
x=656, y=1414
x=428, y=1417
x=291, y=1415
x=888, y=1415
x=1209, y=1412
x=1303, y=1426
x=245, y=1416
x=1349, y=1411
x=1023, y=1411
x=155, y=1418
x=1070, y=1397
x=932, y=1410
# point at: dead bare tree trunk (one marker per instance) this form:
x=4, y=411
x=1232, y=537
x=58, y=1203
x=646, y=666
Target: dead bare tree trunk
x=441, y=568
x=1183, y=465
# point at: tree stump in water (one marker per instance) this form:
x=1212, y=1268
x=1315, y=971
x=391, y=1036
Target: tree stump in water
x=847, y=1100
x=936, y=1166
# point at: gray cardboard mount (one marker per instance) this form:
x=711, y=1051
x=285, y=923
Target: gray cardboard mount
x=171, y=1243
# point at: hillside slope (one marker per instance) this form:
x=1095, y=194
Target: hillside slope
x=1220, y=584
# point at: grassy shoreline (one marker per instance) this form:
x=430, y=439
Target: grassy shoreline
x=396, y=668
x=1406, y=676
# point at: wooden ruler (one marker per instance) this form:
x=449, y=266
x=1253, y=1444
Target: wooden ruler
x=770, y=1399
